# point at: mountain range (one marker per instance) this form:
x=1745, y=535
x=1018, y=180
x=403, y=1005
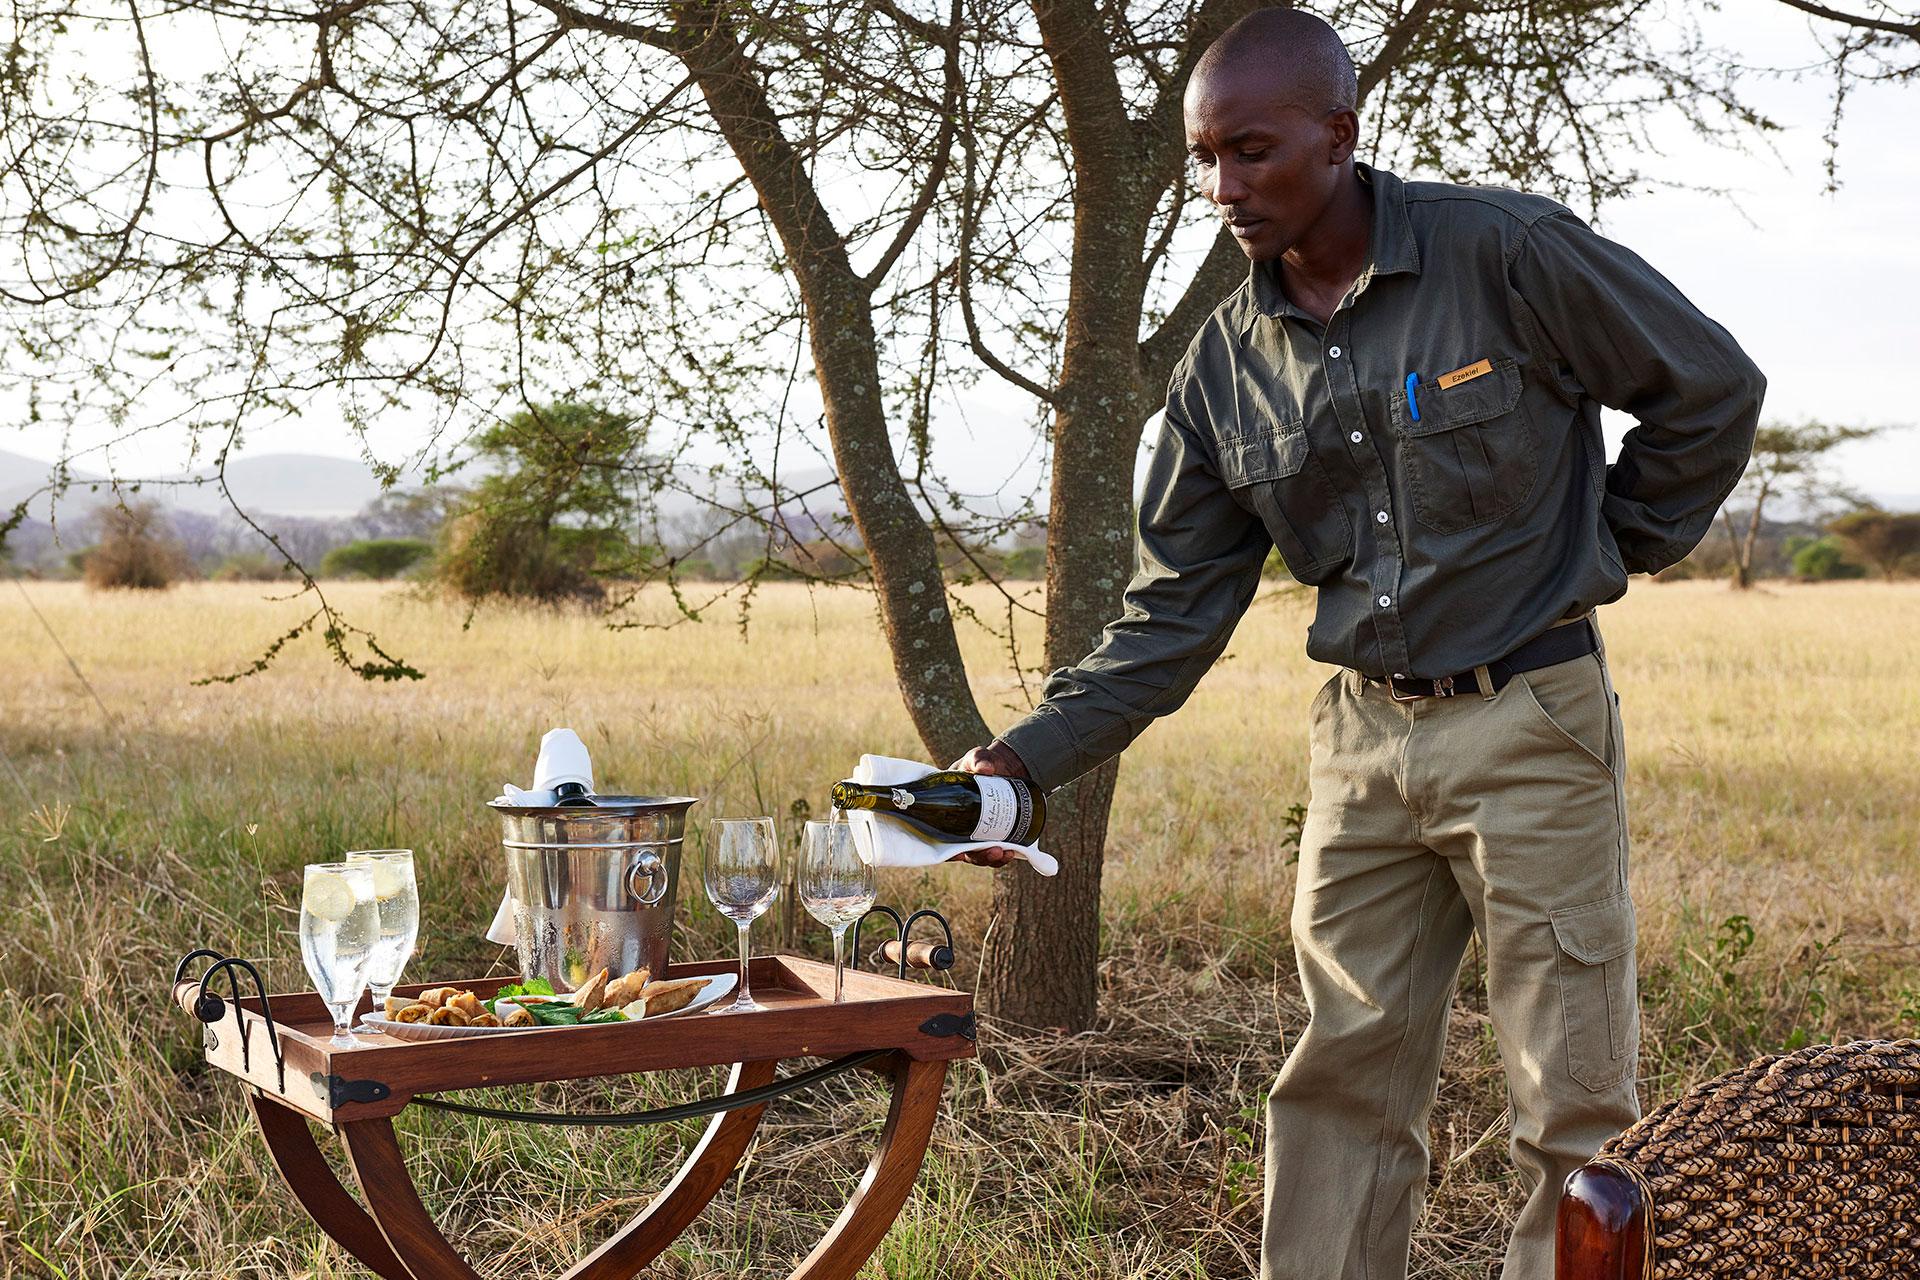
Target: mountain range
x=312, y=486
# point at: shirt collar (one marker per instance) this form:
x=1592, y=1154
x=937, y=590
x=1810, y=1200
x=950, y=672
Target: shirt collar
x=1391, y=248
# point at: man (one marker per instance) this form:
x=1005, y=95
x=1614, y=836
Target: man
x=1405, y=398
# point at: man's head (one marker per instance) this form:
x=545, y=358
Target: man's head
x=1271, y=126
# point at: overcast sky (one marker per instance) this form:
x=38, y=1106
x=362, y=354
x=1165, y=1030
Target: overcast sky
x=1819, y=287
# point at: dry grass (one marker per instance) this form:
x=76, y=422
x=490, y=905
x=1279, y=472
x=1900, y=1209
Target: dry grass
x=1773, y=779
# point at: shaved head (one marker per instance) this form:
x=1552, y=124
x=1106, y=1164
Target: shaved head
x=1271, y=130
x=1291, y=50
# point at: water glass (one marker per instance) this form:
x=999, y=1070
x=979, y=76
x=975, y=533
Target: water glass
x=397, y=896
x=743, y=879
x=836, y=884
x=339, y=925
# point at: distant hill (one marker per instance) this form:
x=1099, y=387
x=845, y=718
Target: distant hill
x=313, y=486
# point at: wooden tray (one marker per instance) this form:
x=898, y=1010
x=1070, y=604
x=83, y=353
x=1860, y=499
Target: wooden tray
x=905, y=1031
x=378, y=1077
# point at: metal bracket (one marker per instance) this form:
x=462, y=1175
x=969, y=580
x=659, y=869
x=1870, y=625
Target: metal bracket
x=942, y=957
x=951, y=1024
x=337, y=1091
x=209, y=1007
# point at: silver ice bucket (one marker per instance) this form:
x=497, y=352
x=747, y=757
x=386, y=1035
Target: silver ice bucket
x=593, y=886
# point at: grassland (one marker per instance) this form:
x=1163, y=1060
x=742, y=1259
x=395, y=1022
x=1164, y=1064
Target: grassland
x=1775, y=803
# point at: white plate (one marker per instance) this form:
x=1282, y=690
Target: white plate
x=718, y=985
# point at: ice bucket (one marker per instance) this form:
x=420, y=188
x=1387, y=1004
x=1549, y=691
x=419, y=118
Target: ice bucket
x=593, y=886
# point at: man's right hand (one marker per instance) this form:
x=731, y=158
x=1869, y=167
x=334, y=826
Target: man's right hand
x=996, y=760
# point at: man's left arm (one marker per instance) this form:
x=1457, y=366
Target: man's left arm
x=1635, y=343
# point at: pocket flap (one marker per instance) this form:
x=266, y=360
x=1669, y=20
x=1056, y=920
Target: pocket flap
x=1475, y=400
x=1595, y=932
x=1271, y=454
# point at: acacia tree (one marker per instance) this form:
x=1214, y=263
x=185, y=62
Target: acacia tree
x=1789, y=460
x=465, y=208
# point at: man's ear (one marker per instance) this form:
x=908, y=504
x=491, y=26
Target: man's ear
x=1343, y=135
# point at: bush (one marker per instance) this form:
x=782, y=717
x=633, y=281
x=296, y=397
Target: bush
x=250, y=566
x=1824, y=560
x=375, y=558
x=136, y=551
x=482, y=556
x=551, y=520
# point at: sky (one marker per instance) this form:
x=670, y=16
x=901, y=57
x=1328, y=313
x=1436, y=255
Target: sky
x=1818, y=286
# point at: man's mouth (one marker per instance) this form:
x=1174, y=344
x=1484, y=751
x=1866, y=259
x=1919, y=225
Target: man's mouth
x=1244, y=226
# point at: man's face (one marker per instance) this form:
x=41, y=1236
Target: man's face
x=1268, y=164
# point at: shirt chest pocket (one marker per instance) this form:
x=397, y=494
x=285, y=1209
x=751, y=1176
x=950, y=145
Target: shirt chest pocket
x=1270, y=468
x=1470, y=457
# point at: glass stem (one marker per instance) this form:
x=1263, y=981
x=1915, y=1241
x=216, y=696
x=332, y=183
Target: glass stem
x=839, y=963
x=746, y=987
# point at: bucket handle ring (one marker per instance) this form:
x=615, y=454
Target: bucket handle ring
x=655, y=871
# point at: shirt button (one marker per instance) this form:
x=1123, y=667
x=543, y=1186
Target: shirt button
x=1356, y=437
x=1399, y=675
x=1380, y=516
x=1385, y=601
x=1334, y=352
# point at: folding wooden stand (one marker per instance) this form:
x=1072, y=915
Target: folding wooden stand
x=906, y=1031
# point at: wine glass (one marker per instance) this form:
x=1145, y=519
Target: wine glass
x=339, y=924
x=396, y=895
x=743, y=879
x=836, y=884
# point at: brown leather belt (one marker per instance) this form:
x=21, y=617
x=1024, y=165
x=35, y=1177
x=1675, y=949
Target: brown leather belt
x=1549, y=648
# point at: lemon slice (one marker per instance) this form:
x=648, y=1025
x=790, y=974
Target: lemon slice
x=328, y=897
x=389, y=880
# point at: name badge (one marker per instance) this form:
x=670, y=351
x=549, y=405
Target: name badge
x=1467, y=374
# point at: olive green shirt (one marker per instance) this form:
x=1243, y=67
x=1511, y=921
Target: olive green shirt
x=1444, y=523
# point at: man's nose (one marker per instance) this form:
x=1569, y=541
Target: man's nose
x=1222, y=188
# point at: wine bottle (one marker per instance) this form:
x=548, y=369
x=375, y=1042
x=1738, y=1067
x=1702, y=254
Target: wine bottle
x=572, y=795
x=953, y=806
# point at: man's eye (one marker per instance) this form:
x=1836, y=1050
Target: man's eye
x=1252, y=157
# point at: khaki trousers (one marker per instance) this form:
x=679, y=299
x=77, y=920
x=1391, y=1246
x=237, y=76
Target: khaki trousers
x=1430, y=821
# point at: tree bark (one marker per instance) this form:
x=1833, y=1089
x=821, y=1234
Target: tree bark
x=1042, y=957
x=901, y=551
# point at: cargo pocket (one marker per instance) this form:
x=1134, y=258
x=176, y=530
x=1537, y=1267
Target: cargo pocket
x=1597, y=994
x=1471, y=456
x=1271, y=470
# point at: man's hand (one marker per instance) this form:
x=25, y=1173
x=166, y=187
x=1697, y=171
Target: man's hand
x=996, y=760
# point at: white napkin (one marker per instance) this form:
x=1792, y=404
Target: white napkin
x=563, y=758
x=895, y=844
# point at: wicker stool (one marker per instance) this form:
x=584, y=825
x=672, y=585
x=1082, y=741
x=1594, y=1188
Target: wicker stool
x=1804, y=1166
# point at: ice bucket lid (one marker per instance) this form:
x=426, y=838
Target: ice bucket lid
x=609, y=820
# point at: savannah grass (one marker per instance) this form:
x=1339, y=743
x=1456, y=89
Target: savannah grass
x=1774, y=799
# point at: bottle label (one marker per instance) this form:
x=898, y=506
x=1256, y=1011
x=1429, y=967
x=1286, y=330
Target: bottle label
x=1006, y=807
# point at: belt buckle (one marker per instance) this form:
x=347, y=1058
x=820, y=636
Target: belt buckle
x=1442, y=688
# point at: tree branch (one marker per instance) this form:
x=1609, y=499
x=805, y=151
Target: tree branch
x=937, y=170
x=1225, y=266
x=1394, y=46
x=1911, y=30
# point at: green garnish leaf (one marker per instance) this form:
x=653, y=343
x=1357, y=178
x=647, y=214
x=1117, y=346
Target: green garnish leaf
x=605, y=1015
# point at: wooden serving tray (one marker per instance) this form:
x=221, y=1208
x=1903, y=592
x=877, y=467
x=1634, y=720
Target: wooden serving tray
x=379, y=1076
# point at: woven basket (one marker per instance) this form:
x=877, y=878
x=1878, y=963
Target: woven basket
x=1804, y=1166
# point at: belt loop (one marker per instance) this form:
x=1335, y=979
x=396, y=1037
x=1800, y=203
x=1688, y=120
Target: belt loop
x=1484, y=679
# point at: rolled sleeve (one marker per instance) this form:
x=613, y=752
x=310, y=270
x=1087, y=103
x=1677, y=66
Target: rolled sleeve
x=1634, y=343
x=1200, y=554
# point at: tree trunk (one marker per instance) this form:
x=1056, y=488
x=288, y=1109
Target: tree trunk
x=1042, y=961
x=1743, y=563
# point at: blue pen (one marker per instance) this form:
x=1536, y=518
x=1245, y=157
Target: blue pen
x=1413, y=405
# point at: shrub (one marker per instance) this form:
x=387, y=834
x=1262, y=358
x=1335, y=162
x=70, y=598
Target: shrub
x=136, y=551
x=250, y=566
x=551, y=520
x=1824, y=560
x=481, y=556
x=375, y=558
